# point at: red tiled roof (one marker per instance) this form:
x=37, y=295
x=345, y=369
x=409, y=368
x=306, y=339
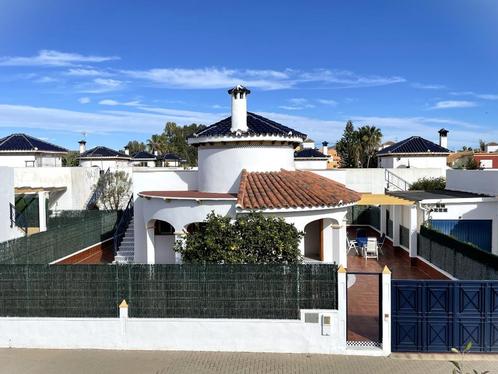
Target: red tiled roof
x=291, y=189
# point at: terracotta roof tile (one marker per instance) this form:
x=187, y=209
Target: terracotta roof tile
x=291, y=189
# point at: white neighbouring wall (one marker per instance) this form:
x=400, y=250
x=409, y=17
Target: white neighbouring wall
x=475, y=181
x=311, y=164
x=21, y=160
x=104, y=164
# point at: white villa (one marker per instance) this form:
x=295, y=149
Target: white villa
x=21, y=150
x=102, y=157
x=246, y=163
x=415, y=152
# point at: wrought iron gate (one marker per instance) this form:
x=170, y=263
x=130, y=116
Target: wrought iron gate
x=435, y=316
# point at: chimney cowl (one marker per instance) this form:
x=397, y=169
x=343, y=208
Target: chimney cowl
x=82, y=144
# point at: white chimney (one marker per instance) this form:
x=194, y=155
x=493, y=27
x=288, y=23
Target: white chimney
x=443, y=138
x=325, y=148
x=82, y=144
x=127, y=150
x=239, y=108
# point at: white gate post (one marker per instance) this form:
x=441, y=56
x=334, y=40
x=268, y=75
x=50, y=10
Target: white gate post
x=386, y=311
x=342, y=307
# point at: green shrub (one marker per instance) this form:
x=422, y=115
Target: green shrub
x=252, y=238
x=429, y=184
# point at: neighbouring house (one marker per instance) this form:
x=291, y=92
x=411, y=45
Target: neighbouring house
x=416, y=152
x=386, y=144
x=103, y=158
x=246, y=163
x=170, y=160
x=487, y=160
x=334, y=160
x=468, y=216
x=492, y=147
x=21, y=150
x=144, y=159
x=310, y=158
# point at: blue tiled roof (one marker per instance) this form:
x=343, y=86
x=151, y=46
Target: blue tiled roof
x=309, y=153
x=100, y=151
x=143, y=155
x=256, y=124
x=23, y=142
x=170, y=156
x=414, y=144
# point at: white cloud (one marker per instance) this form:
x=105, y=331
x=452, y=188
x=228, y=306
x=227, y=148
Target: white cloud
x=213, y=78
x=101, y=85
x=111, y=102
x=46, y=79
x=451, y=104
x=423, y=86
x=107, y=122
x=327, y=102
x=476, y=95
x=297, y=103
x=347, y=79
x=53, y=58
x=81, y=72
x=84, y=100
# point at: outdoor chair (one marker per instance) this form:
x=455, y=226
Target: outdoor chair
x=371, y=250
x=352, y=245
x=381, y=243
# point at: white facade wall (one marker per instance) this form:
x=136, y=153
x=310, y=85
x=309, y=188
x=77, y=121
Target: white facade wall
x=220, y=167
x=338, y=175
x=78, y=183
x=178, y=213
x=161, y=179
x=475, y=181
x=491, y=148
x=412, y=162
x=7, y=198
x=310, y=164
x=104, y=164
x=21, y=160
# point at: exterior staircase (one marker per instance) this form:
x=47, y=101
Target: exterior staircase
x=124, y=236
x=126, y=251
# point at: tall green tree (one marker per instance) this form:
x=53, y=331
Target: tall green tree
x=348, y=147
x=135, y=146
x=369, y=138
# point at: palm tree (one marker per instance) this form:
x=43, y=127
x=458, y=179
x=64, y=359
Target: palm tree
x=156, y=143
x=370, y=138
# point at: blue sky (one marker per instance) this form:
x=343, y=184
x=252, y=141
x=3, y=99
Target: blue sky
x=118, y=70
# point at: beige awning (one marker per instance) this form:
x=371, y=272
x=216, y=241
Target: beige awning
x=378, y=199
x=33, y=190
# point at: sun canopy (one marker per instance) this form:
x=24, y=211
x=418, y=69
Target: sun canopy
x=378, y=199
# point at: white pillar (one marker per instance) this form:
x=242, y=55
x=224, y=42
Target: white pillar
x=178, y=256
x=386, y=311
x=342, y=307
x=327, y=241
x=42, y=210
x=413, y=231
x=383, y=213
x=151, y=250
x=342, y=250
x=396, y=218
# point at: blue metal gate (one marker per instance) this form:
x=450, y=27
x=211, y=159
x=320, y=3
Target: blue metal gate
x=435, y=316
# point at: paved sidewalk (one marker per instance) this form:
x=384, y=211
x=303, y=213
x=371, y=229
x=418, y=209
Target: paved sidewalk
x=20, y=361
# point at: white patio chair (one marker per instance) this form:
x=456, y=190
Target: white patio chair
x=352, y=245
x=380, y=243
x=371, y=250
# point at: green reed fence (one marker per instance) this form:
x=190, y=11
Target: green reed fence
x=167, y=291
x=364, y=215
x=462, y=260
x=67, y=233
